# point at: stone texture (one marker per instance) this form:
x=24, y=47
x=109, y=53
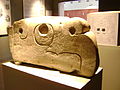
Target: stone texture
x=62, y=43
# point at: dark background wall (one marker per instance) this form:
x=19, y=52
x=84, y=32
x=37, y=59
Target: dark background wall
x=16, y=10
x=17, y=7
x=52, y=5
x=109, y=5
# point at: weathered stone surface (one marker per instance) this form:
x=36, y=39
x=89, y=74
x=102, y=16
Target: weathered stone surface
x=62, y=43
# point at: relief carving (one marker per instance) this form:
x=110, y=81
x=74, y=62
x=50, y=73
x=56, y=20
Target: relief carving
x=62, y=43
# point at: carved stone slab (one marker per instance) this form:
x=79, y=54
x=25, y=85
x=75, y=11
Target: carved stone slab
x=62, y=43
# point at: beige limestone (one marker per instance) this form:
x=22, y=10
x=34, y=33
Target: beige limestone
x=62, y=43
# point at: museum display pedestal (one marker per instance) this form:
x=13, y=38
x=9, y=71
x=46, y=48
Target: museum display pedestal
x=27, y=77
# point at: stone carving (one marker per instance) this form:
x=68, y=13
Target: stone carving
x=62, y=43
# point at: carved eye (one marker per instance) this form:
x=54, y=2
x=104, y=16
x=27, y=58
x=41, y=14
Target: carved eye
x=43, y=29
x=43, y=34
x=20, y=30
x=22, y=33
x=72, y=30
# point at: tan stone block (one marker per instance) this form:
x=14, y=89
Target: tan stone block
x=61, y=43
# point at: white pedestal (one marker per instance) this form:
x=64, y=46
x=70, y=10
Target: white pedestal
x=24, y=77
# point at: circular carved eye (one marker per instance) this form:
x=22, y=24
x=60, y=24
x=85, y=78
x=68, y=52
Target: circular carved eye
x=43, y=29
x=43, y=34
x=22, y=33
x=72, y=30
x=20, y=30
